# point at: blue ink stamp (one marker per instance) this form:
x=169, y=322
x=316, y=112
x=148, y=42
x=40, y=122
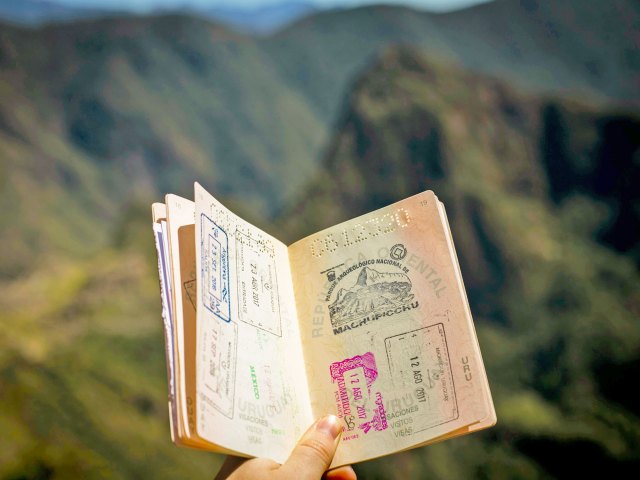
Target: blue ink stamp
x=215, y=269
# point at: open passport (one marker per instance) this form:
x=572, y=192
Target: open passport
x=367, y=320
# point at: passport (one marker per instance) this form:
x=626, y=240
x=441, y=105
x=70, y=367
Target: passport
x=367, y=320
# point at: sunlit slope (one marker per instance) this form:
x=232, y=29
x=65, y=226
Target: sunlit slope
x=83, y=378
x=556, y=306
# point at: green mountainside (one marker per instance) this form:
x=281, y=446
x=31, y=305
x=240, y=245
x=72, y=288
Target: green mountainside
x=99, y=118
x=555, y=304
x=98, y=115
x=83, y=385
x=548, y=43
x=577, y=48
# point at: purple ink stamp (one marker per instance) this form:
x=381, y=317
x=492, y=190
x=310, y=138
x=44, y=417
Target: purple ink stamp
x=359, y=405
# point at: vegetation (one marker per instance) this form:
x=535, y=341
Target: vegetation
x=304, y=129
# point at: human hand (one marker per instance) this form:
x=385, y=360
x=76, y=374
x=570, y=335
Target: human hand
x=308, y=461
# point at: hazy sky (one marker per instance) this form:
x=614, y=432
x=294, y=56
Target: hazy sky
x=436, y=5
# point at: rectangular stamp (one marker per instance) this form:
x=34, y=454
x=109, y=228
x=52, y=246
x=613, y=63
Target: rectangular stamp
x=419, y=364
x=359, y=404
x=258, y=301
x=219, y=372
x=215, y=269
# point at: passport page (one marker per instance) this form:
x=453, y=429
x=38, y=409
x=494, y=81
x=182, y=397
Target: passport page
x=252, y=391
x=388, y=338
x=178, y=217
x=159, y=213
x=182, y=245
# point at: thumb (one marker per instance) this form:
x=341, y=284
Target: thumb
x=314, y=453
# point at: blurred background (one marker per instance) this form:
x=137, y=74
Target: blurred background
x=522, y=115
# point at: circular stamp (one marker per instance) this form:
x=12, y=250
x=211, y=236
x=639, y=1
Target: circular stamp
x=398, y=251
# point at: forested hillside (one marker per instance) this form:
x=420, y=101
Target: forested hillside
x=521, y=115
x=99, y=114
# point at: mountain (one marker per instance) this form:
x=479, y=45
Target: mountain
x=165, y=100
x=555, y=302
x=581, y=49
x=36, y=12
x=98, y=118
x=372, y=290
x=98, y=115
x=260, y=18
x=535, y=37
x=369, y=277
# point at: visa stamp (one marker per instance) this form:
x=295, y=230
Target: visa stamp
x=215, y=269
x=419, y=364
x=219, y=372
x=258, y=301
x=359, y=404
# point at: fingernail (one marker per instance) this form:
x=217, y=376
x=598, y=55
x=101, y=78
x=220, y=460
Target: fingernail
x=329, y=424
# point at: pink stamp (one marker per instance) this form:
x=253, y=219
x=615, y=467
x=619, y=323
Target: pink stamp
x=359, y=405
